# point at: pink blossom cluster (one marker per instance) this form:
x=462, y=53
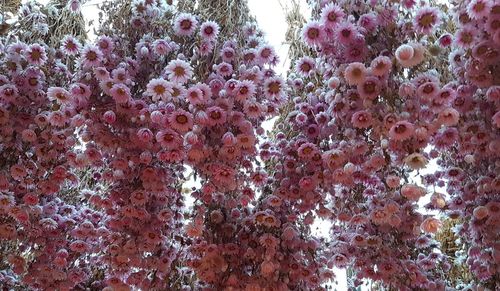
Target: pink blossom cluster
x=98, y=139
x=379, y=98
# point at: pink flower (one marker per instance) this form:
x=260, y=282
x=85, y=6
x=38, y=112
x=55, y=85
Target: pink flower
x=478, y=9
x=496, y=119
x=381, y=65
x=227, y=54
x=74, y=6
x=493, y=208
x=404, y=53
x=179, y=71
x=401, y=131
x=91, y=56
x=345, y=33
x=379, y=216
x=159, y=89
x=410, y=57
x=9, y=92
x=416, y=161
x=449, y=117
x=273, y=88
x=266, y=54
x=7, y=231
x=253, y=109
x=195, y=96
x=268, y=241
x=428, y=90
x=178, y=91
x=445, y=40
x=120, y=93
x=139, y=197
x=412, y=192
x=145, y=135
x=426, y=20
x=305, y=66
x=465, y=37
x=355, y=73
x=224, y=69
x=312, y=33
x=259, y=178
x=18, y=172
x=480, y=212
x=362, y=119
x=267, y=268
x=80, y=91
x=181, y=120
x=430, y=225
x=224, y=176
x=206, y=48
x=307, y=150
x=59, y=94
x=28, y=135
x=70, y=45
x=109, y=117
x=168, y=138
x=105, y=44
x=161, y=47
x=36, y=55
x=185, y=24
x=209, y=30
x=79, y=246
x=102, y=74
x=369, y=88
x=244, y=90
x=339, y=261
x=368, y=21
x=331, y=15
x=216, y=116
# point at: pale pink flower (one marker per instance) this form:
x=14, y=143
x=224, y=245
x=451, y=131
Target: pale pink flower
x=120, y=93
x=59, y=94
x=179, y=71
x=430, y=225
x=185, y=24
x=355, y=73
x=159, y=89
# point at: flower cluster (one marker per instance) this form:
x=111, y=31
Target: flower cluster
x=379, y=99
x=98, y=140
